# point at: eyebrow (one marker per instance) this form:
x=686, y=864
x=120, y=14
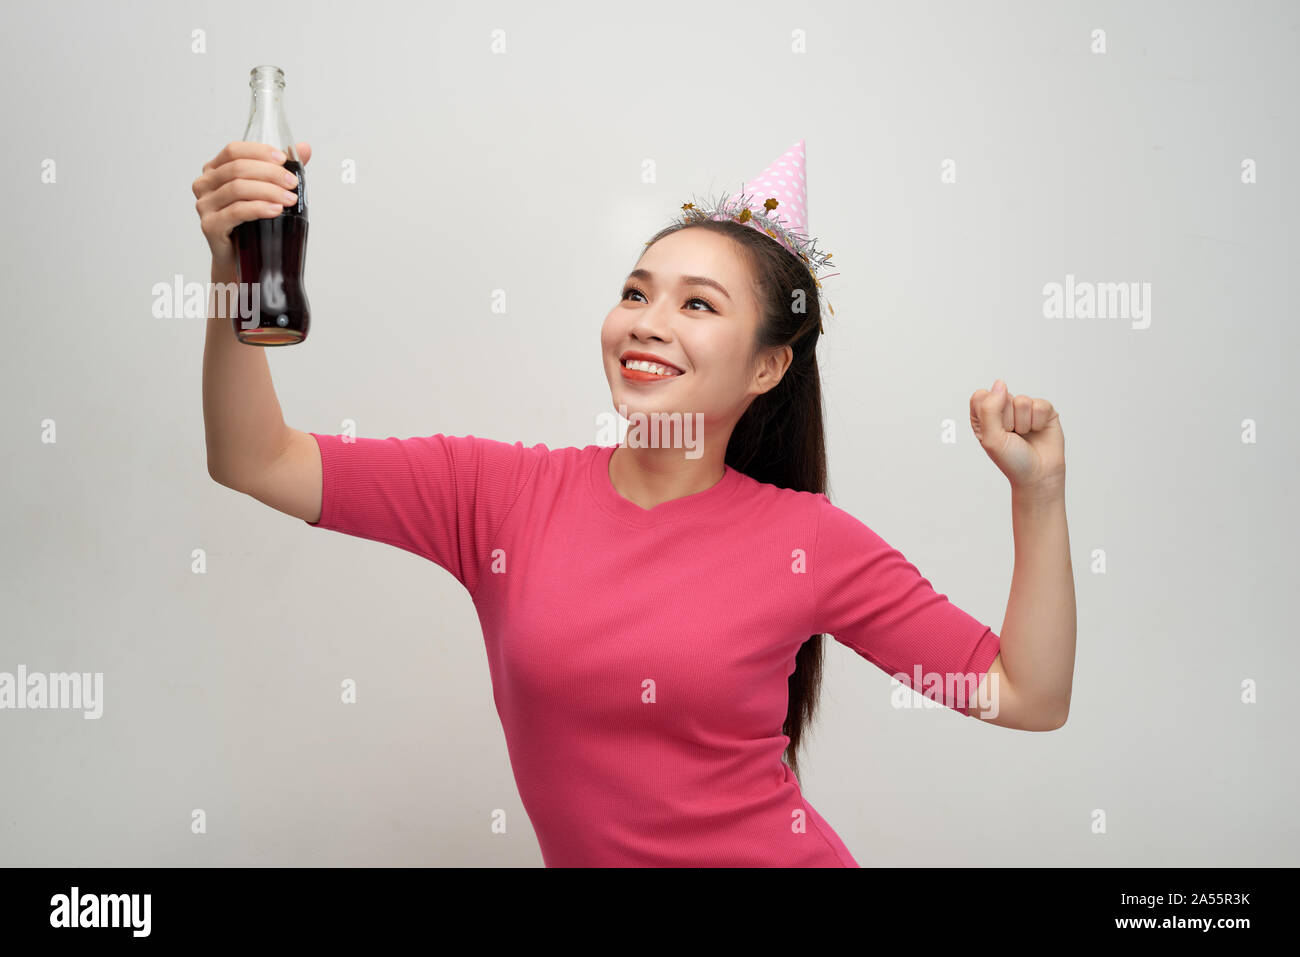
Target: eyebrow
x=686, y=280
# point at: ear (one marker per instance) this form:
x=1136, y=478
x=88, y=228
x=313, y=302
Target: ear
x=773, y=368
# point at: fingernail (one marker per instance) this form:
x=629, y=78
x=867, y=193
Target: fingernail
x=278, y=156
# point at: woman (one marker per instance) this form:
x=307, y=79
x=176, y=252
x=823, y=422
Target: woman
x=654, y=614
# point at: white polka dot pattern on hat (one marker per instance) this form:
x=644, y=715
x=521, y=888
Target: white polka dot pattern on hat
x=786, y=181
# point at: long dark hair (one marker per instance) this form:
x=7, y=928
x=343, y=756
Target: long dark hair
x=780, y=439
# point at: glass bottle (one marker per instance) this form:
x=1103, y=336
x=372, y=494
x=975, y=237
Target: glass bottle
x=272, y=252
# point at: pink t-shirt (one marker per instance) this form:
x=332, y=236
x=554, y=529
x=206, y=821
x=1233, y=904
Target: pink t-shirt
x=640, y=658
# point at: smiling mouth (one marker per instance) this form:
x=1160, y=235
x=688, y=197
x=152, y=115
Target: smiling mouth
x=639, y=372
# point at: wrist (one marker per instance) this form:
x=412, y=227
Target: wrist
x=222, y=271
x=1039, y=494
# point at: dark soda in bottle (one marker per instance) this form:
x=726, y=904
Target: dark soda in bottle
x=271, y=252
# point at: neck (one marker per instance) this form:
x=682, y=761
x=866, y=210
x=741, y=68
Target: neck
x=651, y=476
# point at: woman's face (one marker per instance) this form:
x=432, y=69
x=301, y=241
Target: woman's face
x=705, y=332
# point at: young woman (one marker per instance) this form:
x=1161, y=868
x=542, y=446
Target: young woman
x=654, y=616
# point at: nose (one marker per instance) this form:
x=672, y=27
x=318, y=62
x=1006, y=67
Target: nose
x=650, y=324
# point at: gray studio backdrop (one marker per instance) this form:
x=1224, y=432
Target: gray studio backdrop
x=961, y=157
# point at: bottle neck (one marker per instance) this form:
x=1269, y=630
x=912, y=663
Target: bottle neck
x=267, y=121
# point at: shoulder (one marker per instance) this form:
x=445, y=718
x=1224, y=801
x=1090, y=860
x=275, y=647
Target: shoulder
x=561, y=464
x=802, y=510
x=839, y=531
x=500, y=449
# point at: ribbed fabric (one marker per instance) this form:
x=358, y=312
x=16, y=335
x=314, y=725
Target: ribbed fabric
x=640, y=658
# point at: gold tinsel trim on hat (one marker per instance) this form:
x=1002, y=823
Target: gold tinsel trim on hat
x=739, y=209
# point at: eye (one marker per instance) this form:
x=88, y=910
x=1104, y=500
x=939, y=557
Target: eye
x=634, y=289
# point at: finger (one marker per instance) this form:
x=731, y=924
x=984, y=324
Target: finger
x=240, y=159
x=991, y=411
x=256, y=169
x=1023, y=414
x=227, y=219
x=304, y=151
x=1043, y=413
x=1008, y=410
x=976, y=402
x=245, y=189
x=241, y=150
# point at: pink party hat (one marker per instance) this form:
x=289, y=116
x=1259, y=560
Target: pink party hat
x=786, y=181
x=775, y=202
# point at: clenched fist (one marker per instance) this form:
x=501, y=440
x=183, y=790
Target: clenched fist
x=1022, y=435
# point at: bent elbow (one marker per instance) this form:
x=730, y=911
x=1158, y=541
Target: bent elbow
x=1058, y=721
x=220, y=477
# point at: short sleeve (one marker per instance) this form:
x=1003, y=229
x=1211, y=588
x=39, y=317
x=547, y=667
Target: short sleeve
x=442, y=497
x=869, y=597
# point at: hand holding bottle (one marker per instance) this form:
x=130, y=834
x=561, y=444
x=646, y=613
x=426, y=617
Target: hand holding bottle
x=242, y=183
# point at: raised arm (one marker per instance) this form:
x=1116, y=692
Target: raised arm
x=1032, y=678
x=249, y=447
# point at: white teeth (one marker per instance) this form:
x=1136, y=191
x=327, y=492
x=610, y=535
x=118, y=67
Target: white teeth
x=644, y=366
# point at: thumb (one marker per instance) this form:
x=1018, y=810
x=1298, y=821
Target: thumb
x=304, y=152
x=988, y=415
